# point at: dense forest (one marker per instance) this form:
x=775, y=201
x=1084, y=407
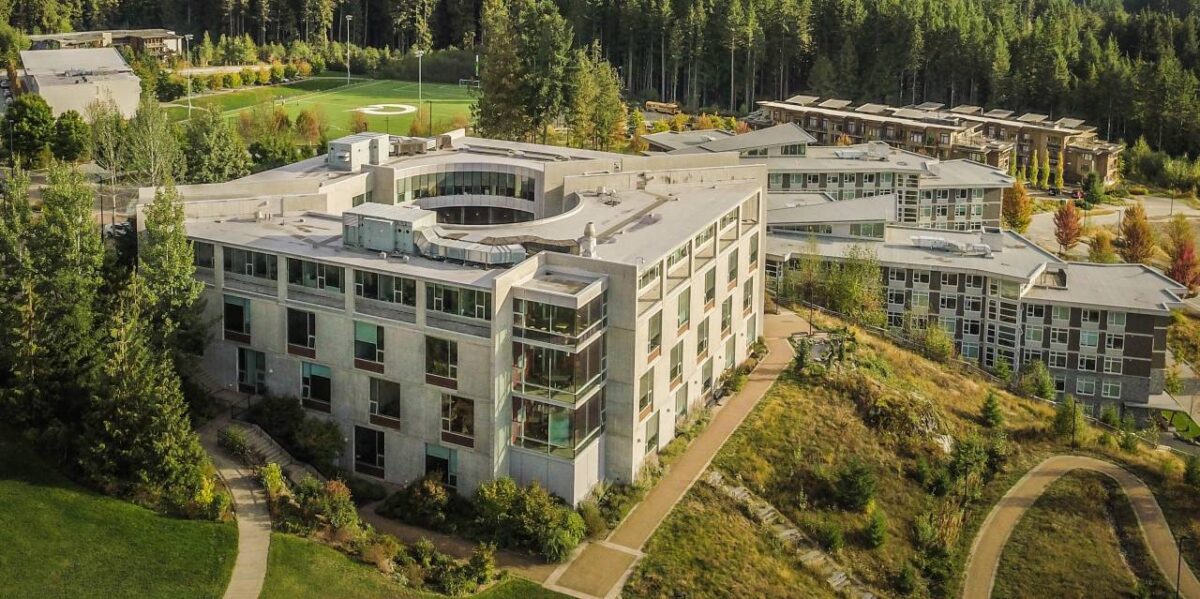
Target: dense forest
x=1130, y=67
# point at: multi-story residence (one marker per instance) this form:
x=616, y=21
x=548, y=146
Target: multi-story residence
x=958, y=194
x=1100, y=328
x=469, y=309
x=992, y=137
x=159, y=42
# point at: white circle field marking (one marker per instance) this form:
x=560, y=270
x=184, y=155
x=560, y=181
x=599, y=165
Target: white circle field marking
x=387, y=109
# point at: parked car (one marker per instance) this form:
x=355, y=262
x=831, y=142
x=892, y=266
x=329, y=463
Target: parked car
x=1053, y=191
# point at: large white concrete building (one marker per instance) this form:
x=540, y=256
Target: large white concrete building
x=71, y=79
x=470, y=308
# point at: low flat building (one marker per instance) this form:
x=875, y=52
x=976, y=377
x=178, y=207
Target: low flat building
x=158, y=42
x=468, y=308
x=992, y=137
x=1100, y=328
x=74, y=78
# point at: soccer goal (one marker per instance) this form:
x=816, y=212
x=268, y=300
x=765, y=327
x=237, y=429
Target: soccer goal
x=468, y=83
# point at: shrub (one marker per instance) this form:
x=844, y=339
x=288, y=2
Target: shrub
x=1129, y=438
x=876, y=532
x=494, y=502
x=220, y=506
x=593, y=520
x=1003, y=370
x=329, y=502
x=970, y=456
x=1109, y=415
x=1191, y=472
x=937, y=344
x=906, y=580
x=998, y=452
x=482, y=565
x=272, y=479
x=855, y=486
x=545, y=526
x=1036, y=381
x=1068, y=419
x=992, y=416
x=423, y=502
x=364, y=491
x=381, y=550
x=236, y=442
x=318, y=441
x=829, y=535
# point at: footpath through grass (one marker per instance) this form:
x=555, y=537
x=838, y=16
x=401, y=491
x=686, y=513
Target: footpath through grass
x=302, y=569
x=63, y=541
x=1071, y=544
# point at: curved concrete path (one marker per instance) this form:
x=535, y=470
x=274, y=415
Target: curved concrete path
x=993, y=535
x=253, y=517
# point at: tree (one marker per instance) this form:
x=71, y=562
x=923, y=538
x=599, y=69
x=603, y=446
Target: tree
x=582, y=92
x=107, y=143
x=1016, y=207
x=1093, y=191
x=16, y=272
x=1034, y=169
x=497, y=111
x=1003, y=370
x=1137, y=237
x=153, y=153
x=1044, y=182
x=1068, y=226
x=358, y=122
x=543, y=41
x=876, y=532
x=1059, y=166
x=936, y=343
x=28, y=127
x=215, y=153
x=1102, y=251
x=1036, y=381
x=166, y=266
x=1181, y=247
x=823, y=78
x=854, y=286
x=855, y=486
x=136, y=438
x=992, y=416
x=1068, y=419
x=71, y=137
x=310, y=127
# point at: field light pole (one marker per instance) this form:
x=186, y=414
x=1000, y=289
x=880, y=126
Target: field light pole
x=187, y=53
x=420, y=93
x=348, y=18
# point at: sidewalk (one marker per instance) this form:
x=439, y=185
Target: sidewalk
x=253, y=517
x=601, y=568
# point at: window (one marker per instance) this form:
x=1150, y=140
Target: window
x=1085, y=386
x=729, y=218
x=1034, y=335
x=441, y=464
x=251, y=371
x=1113, y=365
x=301, y=330
x=1060, y=384
x=1056, y=359
x=558, y=324
x=702, y=338
x=895, y=297
x=726, y=316
x=920, y=277
x=683, y=310
x=679, y=256
x=1087, y=363
x=441, y=358
x=655, y=333
x=458, y=420
x=314, y=275
x=556, y=374
x=1059, y=336
x=753, y=259
x=748, y=296
x=368, y=342
x=1114, y=342
x=793, y=150
x=1089, y=339
x=704, y=236
x=458, y=301
x=553, y=429
x=1060, y=313
x=919, y=299
x=1089, y=316
x=316, y=386
x=676, y=362
x=947, y=302
x=237, y=318
x=971, y=328
x=706, y=377
x=730, y=354
x=649, y=277
x=1111, y=390
x=384, y=288
x=681, y=403
x=867, y=230
x=368, y=451
x=1035, y=311
x=710, y=287
x=203, y=254
x=733, y=268
x=646, y=390
x=970, y=351
x=813, y=179
x=896, y=275
x=384, y=401
x=974, y=282
x=950, y=279
x=652, y=434
x=1116, y=319
x=251, y=264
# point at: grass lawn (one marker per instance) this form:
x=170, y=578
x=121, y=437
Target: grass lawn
x=1068, y=543
x=299, y=568
x=337, y=101
x=708, y=548
x=63, y=541
x=1184, y=425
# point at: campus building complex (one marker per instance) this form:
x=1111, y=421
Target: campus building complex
x=1100, y=328
x=159, y=42
x=927, y=192
x=992, y=137
x=73, y=79
x=468, y=308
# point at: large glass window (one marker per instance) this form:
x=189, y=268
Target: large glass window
x=251, y=264
x=646, y=390
x=384, y=400
x=710, y=286
x=684, y=308
x=458, y=420
x=557, y=374
x=677, y=362
x=654, y=332
x=441, y=358
x=702, y=338
x=237, y=315
x=733, y=267
x=748, y=295
x=432, y=185
x=557, y=324
x=468, y=303
x=368, y=342
x=385, y=288
x=314, y=275
x=368, y=451
x=203, y=254
x=754, y=251
x=302, y=328
x=556, y=430
x=652, y=433
x=316, y=386
x=726, y=316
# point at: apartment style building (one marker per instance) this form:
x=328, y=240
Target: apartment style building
x=959, y=194
x=1100, y=328
x=992, y=137
x=469, y=309
x=159, y=42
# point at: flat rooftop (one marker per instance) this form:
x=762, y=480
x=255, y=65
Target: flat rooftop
x=878, y=156
x=1129, y=286
x=821, y=208
x=75, y=65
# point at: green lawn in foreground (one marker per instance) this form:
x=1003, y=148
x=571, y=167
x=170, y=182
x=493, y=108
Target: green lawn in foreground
x=300, y=569
x=337, y=101
x=1184, y=426
x=60, y=540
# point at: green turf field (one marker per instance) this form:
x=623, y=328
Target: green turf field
x=337, y=101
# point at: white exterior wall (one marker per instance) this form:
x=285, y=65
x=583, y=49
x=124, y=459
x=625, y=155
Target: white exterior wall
x=77, y=96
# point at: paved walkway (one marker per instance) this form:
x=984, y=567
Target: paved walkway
x=253, y=517
x=992, y=536
x=601, y=568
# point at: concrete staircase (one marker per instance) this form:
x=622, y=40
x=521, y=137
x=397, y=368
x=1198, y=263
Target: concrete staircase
x=811, y=555
x=268, y=451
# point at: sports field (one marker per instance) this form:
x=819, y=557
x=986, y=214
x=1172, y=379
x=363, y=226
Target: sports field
x=389, y=105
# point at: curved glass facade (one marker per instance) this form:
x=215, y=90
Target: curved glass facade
x=453, y=183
